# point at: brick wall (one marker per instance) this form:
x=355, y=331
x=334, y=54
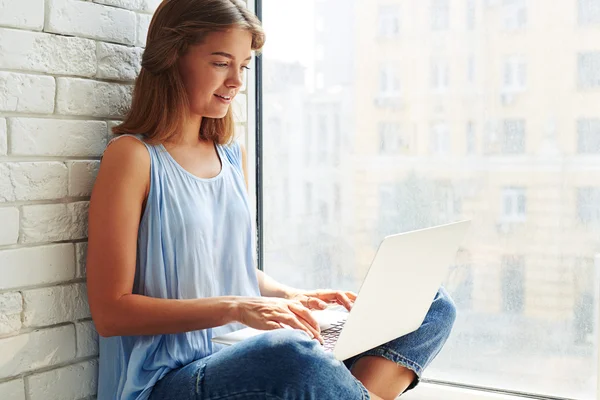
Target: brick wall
x=66, y=74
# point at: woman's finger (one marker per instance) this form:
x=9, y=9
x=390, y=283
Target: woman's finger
x=344, y=300
x=351, y=295
x=315, y=303
x=293, y=321
x=305, y=314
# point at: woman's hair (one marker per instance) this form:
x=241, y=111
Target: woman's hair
x=160, y=102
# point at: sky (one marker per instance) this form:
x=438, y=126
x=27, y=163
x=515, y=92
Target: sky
x=289, y=26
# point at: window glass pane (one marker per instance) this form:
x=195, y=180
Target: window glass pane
x=369, y=133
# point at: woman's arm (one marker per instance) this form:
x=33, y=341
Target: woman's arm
x=115, y=211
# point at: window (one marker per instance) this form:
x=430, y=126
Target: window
x=588, y=66
x=440, y=76
x=308, y=199
x=514, y=204
x=389, y=82
x=588, y=205
x=440, y=138
x=513, y=284
x=440, y=15
x=471, y=140
x=471, y=14
x=588, y=136
x=588, y=12
x=468, y=110
x=515, y=74
x=390, y=138
x=389, y=20
x=515, y=14
x=513, y=139
x=471, y=69
x=323, y=141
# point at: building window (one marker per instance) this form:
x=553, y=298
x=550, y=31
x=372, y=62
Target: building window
x=588, y=136
x=588, y=67
x=513, y=284
x=323, y=141
x=389, y=20
x=588, y=205
x=513, y=138
x=515, y=74
x=515, y=14
x=337, y=138
x=390, y=138
x=337, y=201
x=440, y=76
x=308, y=197
x=471, y=14
x=589, y=12
x=514, y=204
x=308, y=140
x=440, y=138
x=389, y=82
x=471, y=69
x=440, y=15
x=471, y=139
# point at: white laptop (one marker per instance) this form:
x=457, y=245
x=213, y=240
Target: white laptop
x=395, y=295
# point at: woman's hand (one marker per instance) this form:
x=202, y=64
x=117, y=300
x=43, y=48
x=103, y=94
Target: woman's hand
x=319, y=299
x=268, y=313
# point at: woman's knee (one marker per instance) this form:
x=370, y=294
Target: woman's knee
x=445, y=309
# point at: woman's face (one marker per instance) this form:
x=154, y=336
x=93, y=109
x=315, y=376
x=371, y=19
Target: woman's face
x=212, y=72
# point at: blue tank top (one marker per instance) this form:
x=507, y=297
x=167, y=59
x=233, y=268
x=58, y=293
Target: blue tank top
x=195, y=240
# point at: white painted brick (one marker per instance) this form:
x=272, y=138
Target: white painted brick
x=82, y=175
x=148, y=6
x=92, y=98
x=9, y=229
x=3, y=137
x=67, y=383
x=94, y=21
x=54, y=305
x=143, y=22
x=36, y=350
x=22, y=14
x=11, y=306
x=37, y=265
x=240, y=108
x=55, y=137
x=12, y=390
x=26, y=181
x=112, y=124
x=81, y=256
x=118, y=62
x=87, y=339
x=54, y=222
x=43, y=52
x=26, y=93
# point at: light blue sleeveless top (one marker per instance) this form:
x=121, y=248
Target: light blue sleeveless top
x=195, y=240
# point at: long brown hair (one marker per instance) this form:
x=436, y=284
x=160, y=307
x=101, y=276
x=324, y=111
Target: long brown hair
x=160, y=103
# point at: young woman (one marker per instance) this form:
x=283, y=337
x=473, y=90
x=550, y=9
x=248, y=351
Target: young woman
x=170, y=244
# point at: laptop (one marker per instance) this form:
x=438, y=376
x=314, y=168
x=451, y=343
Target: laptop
x=395, y=295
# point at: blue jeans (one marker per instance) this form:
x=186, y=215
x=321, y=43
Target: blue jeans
x=286, y=364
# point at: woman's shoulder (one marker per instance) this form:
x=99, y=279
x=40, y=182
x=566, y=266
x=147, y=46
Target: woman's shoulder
x=233, y=151
x=127, y=153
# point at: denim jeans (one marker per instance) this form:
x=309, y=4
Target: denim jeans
x=286, y=364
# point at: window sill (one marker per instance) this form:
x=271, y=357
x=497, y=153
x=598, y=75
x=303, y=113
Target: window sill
x=431, y=391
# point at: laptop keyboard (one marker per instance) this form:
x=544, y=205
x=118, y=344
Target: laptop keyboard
x=330, y=335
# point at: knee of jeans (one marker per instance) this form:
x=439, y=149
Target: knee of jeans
x=288, y=344
x=445, y=309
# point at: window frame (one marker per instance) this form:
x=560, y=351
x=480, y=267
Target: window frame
x=428, y=388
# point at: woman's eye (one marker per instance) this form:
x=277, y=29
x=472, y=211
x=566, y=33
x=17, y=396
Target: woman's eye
x=245, y=67
x=220, y=65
